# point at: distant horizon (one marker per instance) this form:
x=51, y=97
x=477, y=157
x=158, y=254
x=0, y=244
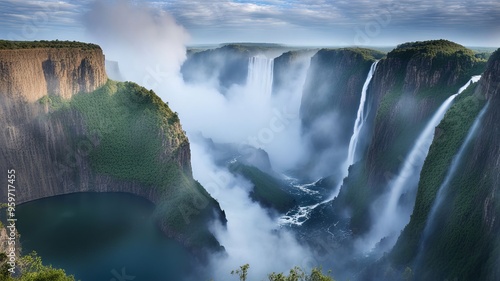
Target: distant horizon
x=307, y=23
x=286, y=45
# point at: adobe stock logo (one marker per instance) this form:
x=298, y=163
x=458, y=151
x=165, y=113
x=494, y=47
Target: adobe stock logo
x=36, y=22
x=374, y=27
x=121, y=276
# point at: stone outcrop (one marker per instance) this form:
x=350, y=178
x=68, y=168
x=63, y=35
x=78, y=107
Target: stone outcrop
x=330, y=100
x=408, y=87
x=31, y=74
x=50, y=137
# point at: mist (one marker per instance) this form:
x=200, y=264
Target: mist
x=150, y=48
x=252, y=235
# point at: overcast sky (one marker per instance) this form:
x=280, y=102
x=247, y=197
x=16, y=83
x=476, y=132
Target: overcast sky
x=309, y=22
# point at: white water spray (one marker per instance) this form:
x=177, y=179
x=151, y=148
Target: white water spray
x=260, y=76
x=360, y=119
x=358, y=125
x=392, y=220
x=443, y=189
x=302, y=214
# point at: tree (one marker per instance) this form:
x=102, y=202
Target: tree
x=242, y=272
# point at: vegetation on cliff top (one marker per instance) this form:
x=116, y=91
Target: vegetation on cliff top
x=55, y=44
x=132, y=135
x=129, y=123
x=430, y=48
x=367, y=54
x=452, y=65
x=332, y=69
x=451, y=133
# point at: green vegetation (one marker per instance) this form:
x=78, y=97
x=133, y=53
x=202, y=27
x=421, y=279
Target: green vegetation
x=357, y=197
x=267, y=190
x=131, y=123
x=325, y=91
x=54, y=102
x=32, y=269
x=451, y=133
x=432, y=48
x=451, y=64
x=130, y=134
x=251, y=48
x=367, y=54
x=296, y=274
x=56, y=44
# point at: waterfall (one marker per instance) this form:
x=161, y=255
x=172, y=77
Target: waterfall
x=260, y=76
x=443, y=189
x=392, y=220
x=358, y=125
x=360, y=119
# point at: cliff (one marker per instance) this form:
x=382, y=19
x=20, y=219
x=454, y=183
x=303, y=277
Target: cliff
x=288, y=67
x=224, y=66
x=118, y=138
x=228, y=65
x=470, y=221
x=62, y=71
x=408, y=86
x=330, y=100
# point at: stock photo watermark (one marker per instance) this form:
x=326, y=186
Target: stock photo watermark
x=266, y=135
x=11, y=221
x=121, y=275
x=36, y=22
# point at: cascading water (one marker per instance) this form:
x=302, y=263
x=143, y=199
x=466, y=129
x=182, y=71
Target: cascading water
x=358, y=125
x=260, y=76
x=443, y=189
x=392, y=220
x=299, y=216
x=360, y=118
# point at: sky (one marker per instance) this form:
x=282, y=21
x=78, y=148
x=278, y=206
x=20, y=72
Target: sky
x=292, y=22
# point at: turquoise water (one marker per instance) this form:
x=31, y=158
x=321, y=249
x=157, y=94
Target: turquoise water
x=101, y=236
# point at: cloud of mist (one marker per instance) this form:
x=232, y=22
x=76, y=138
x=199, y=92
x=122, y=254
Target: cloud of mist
x=150, y=48
x=140, y=37
x=252, y=235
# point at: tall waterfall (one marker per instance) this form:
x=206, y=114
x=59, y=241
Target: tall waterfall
x=443, y=189
x=360, y=118
x=260, y=76
x=391, y=221
x=358, y=125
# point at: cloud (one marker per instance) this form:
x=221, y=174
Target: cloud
x=148, y=42
x=44, y=15
x=296, y=22
x=335, y=20
x=251, y=235
x=142, y=38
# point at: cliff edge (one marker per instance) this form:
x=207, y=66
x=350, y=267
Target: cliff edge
x=71, y=130
x=31, y=70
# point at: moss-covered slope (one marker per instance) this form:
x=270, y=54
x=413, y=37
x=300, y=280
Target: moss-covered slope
x=407, y=88
x=466, y=245
x=119, y=137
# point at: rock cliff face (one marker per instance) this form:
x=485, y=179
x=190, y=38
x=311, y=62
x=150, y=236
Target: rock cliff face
x=228, y=65
x=288, y=68
x=408, y=87
x=118, y=138
x=468, y=220
x=34, y=73
x=330, y=100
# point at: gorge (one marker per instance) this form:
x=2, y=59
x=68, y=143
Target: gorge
x=344, y=158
